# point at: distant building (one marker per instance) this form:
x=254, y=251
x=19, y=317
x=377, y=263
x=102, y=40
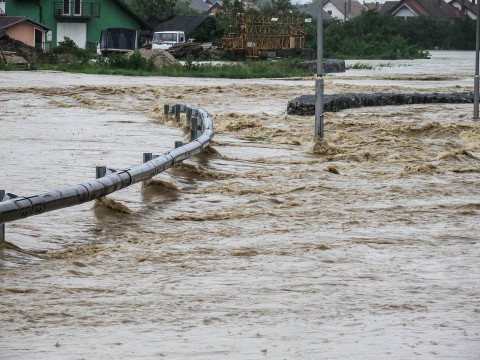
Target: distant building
x=311, y=10
x=387, y=6
x=344, y=9
x=373, y=5
x=205, y=6
x=438, y=9
x=467, y=7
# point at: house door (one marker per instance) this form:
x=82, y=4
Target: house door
x=38, y=39
x=75, y=31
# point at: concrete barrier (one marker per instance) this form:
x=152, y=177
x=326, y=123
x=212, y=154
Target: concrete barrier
x=305, y=104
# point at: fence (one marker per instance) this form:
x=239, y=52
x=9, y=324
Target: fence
x=201, y=133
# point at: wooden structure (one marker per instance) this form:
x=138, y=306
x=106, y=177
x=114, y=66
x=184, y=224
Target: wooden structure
x=257, y=34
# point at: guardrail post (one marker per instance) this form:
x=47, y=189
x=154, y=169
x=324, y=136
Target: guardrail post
x=101, y=171
x=193, y=128
x=188, y=113
x=177, y=112
x=147, y=157
x=2, y=225
x=166, y=109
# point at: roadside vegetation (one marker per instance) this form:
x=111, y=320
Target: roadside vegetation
x=383, y=37
x=135, y=65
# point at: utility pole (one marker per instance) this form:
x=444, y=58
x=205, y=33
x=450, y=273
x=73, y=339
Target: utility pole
x=319, y=78
x=476, y=78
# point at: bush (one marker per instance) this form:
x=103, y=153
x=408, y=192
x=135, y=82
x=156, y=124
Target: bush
x=68, y=46
x=369, y=36
x=122, y=61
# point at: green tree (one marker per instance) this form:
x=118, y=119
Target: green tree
x=370, y=35
x=277, y=7
x=225, y=18
x=146, y=8
x=182, y=7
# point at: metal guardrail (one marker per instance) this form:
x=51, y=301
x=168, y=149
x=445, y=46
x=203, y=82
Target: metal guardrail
x=201, y=133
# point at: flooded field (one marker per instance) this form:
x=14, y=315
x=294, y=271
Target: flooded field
x=273, y=246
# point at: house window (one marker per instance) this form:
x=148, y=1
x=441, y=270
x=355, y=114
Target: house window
x=77, y=4
x=329, y=12
x=72, y=7
x=66, y=7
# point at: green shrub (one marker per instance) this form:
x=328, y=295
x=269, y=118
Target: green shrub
x=68, y=46
x=122, y=61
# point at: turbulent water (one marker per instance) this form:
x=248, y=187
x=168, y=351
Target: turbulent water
x=269, y=246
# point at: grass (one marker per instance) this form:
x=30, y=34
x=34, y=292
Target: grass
x=237, y=70
x=360, y=66
x=364, y=66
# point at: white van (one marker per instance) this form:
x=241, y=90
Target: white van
x=165, y=39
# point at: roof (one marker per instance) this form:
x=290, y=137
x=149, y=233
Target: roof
x=9, y=21
x=143, y=24
x=186, y=23
x=467, y=4
x=200, y=5
x=354, y=8
x=373, y=5
x=387, y=7
x=434, y=8
x=312, y=10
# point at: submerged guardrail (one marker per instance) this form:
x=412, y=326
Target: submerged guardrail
x=14, y=207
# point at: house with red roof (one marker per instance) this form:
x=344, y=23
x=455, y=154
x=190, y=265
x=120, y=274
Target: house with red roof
x=438, y=9
x=467, y=7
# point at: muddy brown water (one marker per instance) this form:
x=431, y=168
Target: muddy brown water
x=272, y=246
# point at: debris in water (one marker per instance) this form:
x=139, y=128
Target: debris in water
x=321, y=146
x=160, y=183
x=418, y=168
x=112, y=204
x=332, y=169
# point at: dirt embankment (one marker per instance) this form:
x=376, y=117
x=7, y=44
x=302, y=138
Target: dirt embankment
x=15, y=52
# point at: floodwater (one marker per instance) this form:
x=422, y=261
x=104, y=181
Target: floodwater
x=272, y=246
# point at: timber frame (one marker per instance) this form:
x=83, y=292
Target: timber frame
x=257, y=33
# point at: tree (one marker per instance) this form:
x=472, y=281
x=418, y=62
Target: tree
x=277, y=7
x=182, y=7
x=225, y=18
x=146, y=8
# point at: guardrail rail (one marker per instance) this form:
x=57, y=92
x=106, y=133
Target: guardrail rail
x=13, y=207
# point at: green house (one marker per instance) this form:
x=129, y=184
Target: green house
x=79, y=20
